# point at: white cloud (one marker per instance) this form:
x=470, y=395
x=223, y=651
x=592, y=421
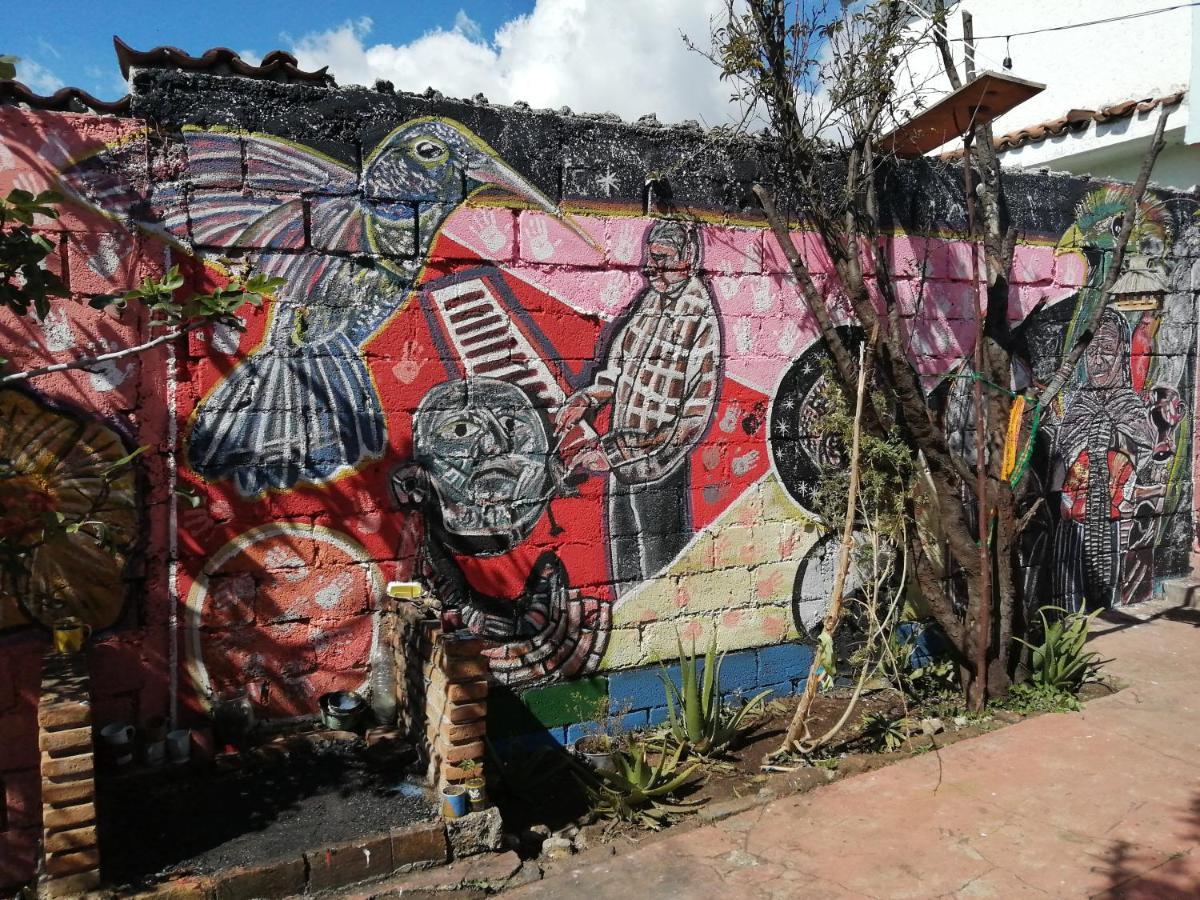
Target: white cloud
x=622, y=56
x=37, y=77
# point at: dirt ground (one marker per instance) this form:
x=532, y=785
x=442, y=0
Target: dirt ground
x=271, y=805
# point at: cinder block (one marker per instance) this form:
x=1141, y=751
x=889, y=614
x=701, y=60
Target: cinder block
x=783, y=662
x=639, y=688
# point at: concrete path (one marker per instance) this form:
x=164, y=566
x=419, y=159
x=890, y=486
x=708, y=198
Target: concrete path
x=1100, y=803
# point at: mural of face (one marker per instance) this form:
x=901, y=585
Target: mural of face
x=484, y=448
x=671, y=256
x=1105, y=355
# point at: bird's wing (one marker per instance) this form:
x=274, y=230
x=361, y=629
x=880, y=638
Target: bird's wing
x=237, y=190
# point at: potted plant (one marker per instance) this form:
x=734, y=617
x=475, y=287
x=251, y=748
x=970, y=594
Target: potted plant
x=475, y=784
x=600, y=743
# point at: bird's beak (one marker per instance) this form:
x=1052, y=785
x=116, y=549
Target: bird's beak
x=1071, y=242
x=487, y=169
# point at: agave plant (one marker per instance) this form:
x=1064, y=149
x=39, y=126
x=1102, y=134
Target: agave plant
x=637, y=790
x=1060, y=662
x=697, y=720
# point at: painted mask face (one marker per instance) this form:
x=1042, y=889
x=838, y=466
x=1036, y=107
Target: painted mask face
x=1103, y=355
x=484, y=448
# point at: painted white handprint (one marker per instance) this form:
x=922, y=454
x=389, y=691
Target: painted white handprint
x=625, y=245
x=787, y=340
x=57, y=335
x=743, y=336
x=744, y=463
x=762, y=294
x=490, y=232
x=729, y=420
x=329, y=596
x=612, y=295
x=108, y=375
x=409, y=363
x=540, y=244
x=107, y=257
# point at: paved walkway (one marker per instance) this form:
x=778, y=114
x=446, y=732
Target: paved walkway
x=1100, y=803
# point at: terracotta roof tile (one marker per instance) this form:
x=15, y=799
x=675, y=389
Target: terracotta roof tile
x=66, y=99
x=1074, y=121
x=275, y=66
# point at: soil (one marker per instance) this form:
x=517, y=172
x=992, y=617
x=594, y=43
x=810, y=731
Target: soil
x=255, y=807
x=555, y=804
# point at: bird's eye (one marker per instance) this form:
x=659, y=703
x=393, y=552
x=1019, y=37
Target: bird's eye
x=1118, y=222
x=429, y=151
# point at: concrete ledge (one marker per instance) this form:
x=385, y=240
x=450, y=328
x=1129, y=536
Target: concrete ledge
x=370, y=858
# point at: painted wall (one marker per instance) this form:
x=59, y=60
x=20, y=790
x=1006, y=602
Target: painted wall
x=591, y=429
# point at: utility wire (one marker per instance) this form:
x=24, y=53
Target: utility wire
x=1067, y=27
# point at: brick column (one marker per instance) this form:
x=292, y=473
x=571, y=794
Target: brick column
x=71, y=855
x=456, y=690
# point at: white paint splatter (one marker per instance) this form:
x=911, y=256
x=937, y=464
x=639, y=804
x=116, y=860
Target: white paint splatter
x=330, y=595
x=107, y=257
x=57, y=335
x=108, y=375
x=624, y=246
x=282, y=558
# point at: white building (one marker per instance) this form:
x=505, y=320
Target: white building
x=1105, y=82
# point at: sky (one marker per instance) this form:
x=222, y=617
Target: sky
x=622, y=56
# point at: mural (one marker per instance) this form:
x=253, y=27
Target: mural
x=1119, y=437
x=587, y=436
x=54, y=463
x=302, y=408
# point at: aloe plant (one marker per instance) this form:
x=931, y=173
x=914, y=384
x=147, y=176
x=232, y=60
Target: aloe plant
x=696, y=718
x=1060, y=662
x=636, y=790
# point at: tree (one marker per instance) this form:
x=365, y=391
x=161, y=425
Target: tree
x=831, y=80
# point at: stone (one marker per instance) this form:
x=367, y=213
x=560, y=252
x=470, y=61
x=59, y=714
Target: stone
x=478, y=832
x=557, y=848
x=932, y=725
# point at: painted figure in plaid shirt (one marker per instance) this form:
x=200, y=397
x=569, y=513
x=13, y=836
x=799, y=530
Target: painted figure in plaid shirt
x=660, y=384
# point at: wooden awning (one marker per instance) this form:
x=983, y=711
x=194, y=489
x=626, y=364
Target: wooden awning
x=989, y=96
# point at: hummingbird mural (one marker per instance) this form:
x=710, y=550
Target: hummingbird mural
x=350, y=245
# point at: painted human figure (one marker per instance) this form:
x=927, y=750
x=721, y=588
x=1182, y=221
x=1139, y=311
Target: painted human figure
x=1105, y=477
x=659, y=385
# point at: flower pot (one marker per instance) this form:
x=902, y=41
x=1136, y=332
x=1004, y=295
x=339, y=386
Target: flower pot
x=454, y=801
x=342, y=710
x=598, y=751
x=476, y=793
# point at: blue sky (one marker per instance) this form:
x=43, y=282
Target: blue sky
x=72, y=39
x=623, y=56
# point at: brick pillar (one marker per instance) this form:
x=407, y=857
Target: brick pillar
x=71, y=856
x=456, y=690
